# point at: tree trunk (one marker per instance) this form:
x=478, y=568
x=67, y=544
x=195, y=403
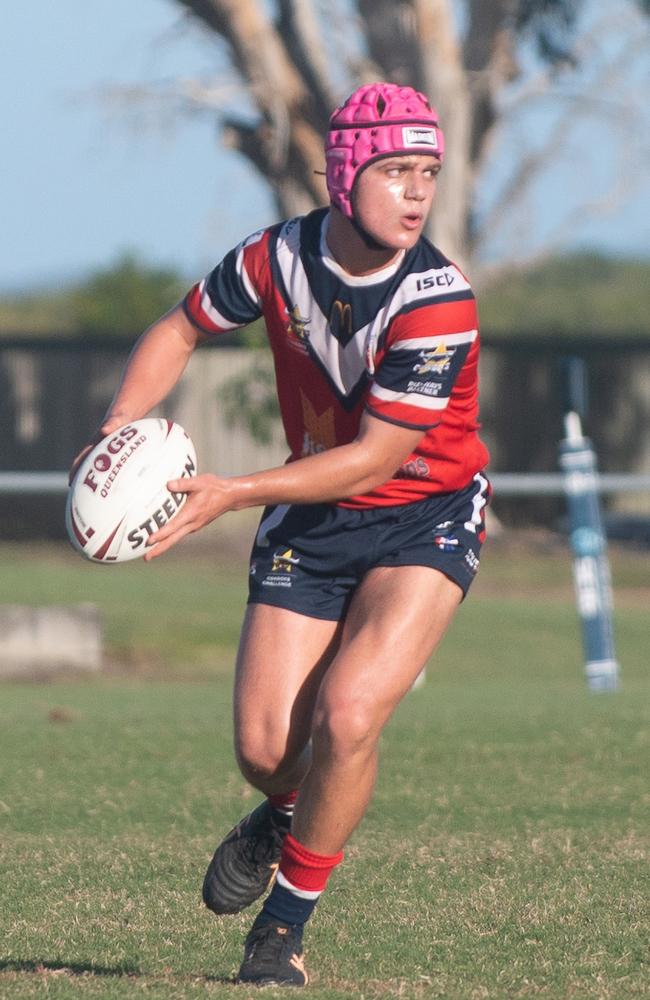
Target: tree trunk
x=286, y=144
x=445, y=80
x=285, y=70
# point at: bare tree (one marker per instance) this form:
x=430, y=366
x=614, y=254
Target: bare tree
x=298, y=58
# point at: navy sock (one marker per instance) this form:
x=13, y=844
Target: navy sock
x=282, y=809
x=283, y=907
x=281, y=819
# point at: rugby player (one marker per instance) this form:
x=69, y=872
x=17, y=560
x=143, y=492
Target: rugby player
x=371, y=533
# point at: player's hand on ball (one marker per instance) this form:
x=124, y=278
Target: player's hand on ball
x=207, y=498
x=109, y=425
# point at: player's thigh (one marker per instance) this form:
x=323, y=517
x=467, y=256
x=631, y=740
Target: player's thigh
x=396, y=619
x=280, y=664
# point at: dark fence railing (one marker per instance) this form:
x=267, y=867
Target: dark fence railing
x=54, y=391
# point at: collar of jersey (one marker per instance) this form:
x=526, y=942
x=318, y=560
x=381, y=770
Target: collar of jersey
x=357, y=280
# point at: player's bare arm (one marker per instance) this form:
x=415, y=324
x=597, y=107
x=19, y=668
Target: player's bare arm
x=154, y=367
x=371, y=459
x=156, y=363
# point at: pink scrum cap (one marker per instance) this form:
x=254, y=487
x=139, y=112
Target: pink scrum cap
x=377, y=120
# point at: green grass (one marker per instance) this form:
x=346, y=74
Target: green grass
x=503, y=854
x=181, y=615
x=176, y=614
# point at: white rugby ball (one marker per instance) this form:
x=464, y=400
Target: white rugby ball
x=119, y=495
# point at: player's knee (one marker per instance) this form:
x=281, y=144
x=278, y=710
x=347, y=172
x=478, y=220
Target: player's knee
x=345, y=727
x=261, y=755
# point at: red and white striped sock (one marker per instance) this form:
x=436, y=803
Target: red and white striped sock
x=301, y=878
x=282, y=807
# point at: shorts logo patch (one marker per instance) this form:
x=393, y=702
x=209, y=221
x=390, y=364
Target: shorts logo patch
x=442, y=539
x=445, y=543
x=281, y=569
x=284, y=561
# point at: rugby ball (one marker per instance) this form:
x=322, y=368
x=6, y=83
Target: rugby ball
x=119, y=494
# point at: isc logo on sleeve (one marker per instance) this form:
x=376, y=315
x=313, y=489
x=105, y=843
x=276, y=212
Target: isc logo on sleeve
x=437, y=279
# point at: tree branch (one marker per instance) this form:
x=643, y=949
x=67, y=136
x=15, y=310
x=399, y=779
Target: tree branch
x=289, y=112
x=390, y=33
x=577, y=106
x=257, y=49
x=300, y=31
x=490, y=64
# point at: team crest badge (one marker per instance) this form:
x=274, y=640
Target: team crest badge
x=438, y=360
x=298, y=325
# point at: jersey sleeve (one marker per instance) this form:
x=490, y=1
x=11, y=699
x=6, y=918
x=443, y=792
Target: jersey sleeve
x=426, y=350
x=228, y=297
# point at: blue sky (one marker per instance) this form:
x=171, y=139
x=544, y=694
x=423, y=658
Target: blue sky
x=84, y=179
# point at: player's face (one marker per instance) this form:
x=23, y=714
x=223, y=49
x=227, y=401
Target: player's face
x=392, y=199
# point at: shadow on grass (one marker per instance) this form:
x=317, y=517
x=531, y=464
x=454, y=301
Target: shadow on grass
x=73, y=968
x=86, y=969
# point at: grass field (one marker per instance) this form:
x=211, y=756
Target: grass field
x=503, y=856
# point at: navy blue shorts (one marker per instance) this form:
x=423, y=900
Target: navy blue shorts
x=310, y=558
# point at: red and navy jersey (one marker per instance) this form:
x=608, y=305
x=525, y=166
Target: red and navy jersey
x=402, y=343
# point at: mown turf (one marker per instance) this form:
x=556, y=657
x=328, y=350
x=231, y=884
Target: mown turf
x=178, y=613
x=504, y=854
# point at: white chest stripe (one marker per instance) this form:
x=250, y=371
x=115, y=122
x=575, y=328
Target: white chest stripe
x=346, y=365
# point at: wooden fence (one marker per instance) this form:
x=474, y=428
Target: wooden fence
x=54, y=392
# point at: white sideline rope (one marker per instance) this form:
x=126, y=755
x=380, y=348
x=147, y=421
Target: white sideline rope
x=504, y=483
